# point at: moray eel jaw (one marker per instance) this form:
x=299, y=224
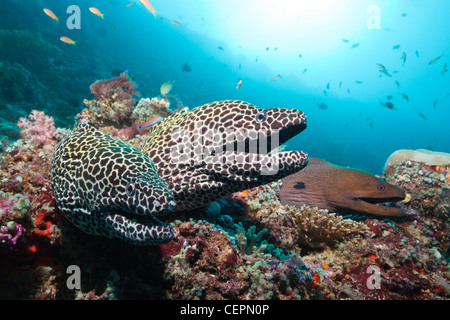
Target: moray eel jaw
x=340, y=189
x=146, y=231
x=371, y=200
x=108, y=188
x=371, y=196
x=373, y=206
x=222, y=147
x=139, y=203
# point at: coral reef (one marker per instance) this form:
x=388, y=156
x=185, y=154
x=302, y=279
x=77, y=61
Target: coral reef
x=425, y=176
x=147, y=108
x=247, y=246
x=117, y=113
x=39, y=129
x=203, y=263
x=317, y=228
x=291, y=226
x=114, y=103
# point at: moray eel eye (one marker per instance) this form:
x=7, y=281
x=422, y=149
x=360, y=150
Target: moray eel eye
x=261, y=116
x=381, y=187
x=130, y=188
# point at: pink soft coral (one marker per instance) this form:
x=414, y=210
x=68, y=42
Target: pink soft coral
x=39, y=130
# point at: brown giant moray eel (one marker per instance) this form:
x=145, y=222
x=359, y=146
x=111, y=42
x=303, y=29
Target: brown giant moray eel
x=339, y=189
x=213, y=150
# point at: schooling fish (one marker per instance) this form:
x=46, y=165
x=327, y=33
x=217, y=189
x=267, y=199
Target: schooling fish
x=97, y=12
x=175, y=23
x=417, y=54
x=422, y=116
x=322, y=106
x=385, y=72
x=51, y=15
x=186, y=67
x=150, y=122
x=435, y=102
x=379, y=65
x=397, y=46
x=388, y=105
x=354, y=46
x=434, y=60
x=149, y=7
x=129, y=4
x=405, y=96
x=68, y=40
x=445, y=69
x=339, y=189
x=403, y=58
x=278, y=77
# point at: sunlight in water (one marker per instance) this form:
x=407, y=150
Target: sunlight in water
x=258, y=24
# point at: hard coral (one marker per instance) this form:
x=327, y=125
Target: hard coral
x=204, y=266
x=203, y=263
x=317, y=228
x=39, y=129
x=147, y=108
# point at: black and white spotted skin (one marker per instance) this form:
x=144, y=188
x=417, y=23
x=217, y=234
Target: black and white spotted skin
x=195, y=151
x=106, y=187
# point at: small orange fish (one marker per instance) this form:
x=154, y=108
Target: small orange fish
x=96, y=12
x=149, y=7
x=130, y=4
x=175, y=23
x=68, y=40
x=51, y=15
x=239, y=84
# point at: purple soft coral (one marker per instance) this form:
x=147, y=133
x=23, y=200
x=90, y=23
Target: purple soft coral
x=39, y=129
x=10, y=235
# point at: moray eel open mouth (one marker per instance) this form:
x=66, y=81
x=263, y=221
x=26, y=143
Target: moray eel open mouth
x=380, y=206
x=140, y=229
x=106, y=187
x=223, y=147
x=340, y=189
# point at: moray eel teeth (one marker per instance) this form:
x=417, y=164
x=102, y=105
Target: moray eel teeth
x=340, y=189
x=222, y=147
x=106, y=187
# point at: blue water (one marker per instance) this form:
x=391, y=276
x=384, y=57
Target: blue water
x=225, y=41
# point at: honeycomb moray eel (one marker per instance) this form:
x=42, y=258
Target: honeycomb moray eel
x=106, y=187
x=218, y=148
x=341, y=190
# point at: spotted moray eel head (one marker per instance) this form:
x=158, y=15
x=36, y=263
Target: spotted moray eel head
x=106, y=187
x=220, y=148
x=140, y=196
